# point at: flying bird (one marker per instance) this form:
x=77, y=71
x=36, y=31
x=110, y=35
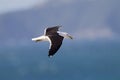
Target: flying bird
x=55, y=38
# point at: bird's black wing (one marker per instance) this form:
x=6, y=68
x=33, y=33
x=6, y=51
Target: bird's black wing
x=56, y=42
x=52, y=30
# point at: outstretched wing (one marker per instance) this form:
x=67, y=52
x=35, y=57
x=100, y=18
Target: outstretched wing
x=51, y=30
x=56, y=42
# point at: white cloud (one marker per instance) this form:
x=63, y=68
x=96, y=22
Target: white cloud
x=13, y=5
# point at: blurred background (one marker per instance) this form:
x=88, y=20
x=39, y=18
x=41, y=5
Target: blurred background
x=93, y=54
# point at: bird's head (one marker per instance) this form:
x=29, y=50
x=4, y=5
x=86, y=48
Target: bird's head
x=69, y=36
x=65, y=35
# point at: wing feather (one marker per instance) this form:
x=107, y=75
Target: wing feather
x=51, y=30
x=56, y=42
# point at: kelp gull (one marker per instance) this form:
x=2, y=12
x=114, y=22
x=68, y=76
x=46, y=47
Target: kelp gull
x=55, y=38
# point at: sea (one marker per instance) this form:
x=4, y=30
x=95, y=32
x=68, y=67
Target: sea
x=76, y=61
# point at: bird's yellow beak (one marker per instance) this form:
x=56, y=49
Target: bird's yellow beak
x=70, y=36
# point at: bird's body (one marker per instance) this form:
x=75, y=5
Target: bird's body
x=54, y=37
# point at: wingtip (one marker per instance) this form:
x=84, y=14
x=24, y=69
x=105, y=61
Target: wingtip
x=59, y=26
x=50, y=56
x=33, y=39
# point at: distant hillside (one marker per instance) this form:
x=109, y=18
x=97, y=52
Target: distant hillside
x=22, y=25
